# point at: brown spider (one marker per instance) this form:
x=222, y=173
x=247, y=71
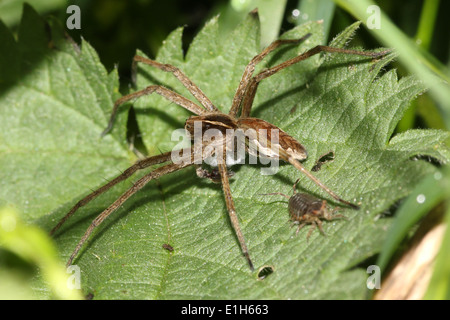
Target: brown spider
x=306, y=209
x=206, y=117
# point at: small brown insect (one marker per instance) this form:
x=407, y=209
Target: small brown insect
x=306, y=209
x=208, y=116
x=168, y=247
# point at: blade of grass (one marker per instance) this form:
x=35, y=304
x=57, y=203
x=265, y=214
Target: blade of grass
x=271, y=13
x=313, y=10
x=439, y=286
x=427, y=22
x=423, y=38
x=428, y=193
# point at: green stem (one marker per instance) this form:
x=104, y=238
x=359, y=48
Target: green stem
x=427, y=23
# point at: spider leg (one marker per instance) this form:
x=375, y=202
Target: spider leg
x=140, y=164
x=249, y=94
x=295, y=184
x=250, y=68
x=232, y=211
x=166, y=93
x=300, y=167
x=155, y=174
x=192, y=87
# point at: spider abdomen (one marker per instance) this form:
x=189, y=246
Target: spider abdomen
x=271, y=141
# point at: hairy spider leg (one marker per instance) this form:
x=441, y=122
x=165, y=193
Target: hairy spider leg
x=250, y=68
x=139, y=165
x=138, y=185
x=191, y=86
x=162, y=91
x=253, y=83
x=232, y=212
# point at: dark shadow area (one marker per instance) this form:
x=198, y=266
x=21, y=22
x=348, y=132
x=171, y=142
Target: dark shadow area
x=166, y=117
x=257, y=110
x=36, y=41
x=430, y=159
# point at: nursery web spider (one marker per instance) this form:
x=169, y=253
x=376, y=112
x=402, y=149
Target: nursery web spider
x=208, y=116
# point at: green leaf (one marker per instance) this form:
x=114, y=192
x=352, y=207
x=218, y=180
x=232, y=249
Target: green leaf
x=55, y=99
x=417, y=61
x=10, y=10
x=334, y=102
